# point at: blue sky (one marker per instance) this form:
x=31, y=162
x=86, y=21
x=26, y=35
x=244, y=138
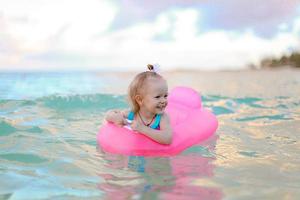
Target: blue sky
x=128, y=34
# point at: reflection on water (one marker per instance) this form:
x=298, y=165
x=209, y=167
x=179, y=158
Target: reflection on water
x=48, y=145
x=177, y=177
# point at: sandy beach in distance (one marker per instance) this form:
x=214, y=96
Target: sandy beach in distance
x=265, y=83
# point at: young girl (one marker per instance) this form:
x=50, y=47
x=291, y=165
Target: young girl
x=147, y=94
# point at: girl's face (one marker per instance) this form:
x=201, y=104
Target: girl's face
x=155, y=96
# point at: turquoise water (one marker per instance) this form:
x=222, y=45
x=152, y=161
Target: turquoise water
x=48, y=148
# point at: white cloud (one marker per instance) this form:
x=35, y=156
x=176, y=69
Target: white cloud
x=296, y=26
x=33, y=22
x=65, y=34
x=186, y=24
x=36, y=27
x=135, y=47
x=283, y=27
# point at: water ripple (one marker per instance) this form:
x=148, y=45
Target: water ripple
x=6, y=128
x=269, y=117
x=24, y=158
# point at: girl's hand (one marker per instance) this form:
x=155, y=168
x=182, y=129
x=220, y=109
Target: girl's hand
x=116, y=117
x=120, y=120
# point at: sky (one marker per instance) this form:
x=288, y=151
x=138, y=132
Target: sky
x=121, y=35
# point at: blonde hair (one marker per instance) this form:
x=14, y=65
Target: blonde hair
x=137, y=85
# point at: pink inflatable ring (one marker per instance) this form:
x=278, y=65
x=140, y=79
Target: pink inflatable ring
x=190, y=122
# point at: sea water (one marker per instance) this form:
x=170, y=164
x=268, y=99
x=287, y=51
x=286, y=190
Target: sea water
x=48, y=147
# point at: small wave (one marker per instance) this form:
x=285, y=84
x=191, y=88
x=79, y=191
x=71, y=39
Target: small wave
x=70, y=101
x=252, y=154
x=6, y=128
x=213, y=98
x=35, y=129
x=219, y=110
x=268, y=117
x=95, y=101
x=24, y=158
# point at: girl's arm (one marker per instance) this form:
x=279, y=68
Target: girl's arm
x=162, y=136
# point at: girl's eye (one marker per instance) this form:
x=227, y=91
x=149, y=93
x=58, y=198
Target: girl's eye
x=157, y=97
x=166, y=96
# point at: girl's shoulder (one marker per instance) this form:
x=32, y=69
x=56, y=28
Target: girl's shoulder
x=165, y=116
x=165, y=121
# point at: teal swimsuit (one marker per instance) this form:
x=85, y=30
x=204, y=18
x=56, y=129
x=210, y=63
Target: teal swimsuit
x=154, y=125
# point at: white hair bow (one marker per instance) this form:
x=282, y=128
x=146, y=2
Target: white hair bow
x=156, y=68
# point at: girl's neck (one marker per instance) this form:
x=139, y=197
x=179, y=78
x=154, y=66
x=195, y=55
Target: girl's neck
x=146, y=115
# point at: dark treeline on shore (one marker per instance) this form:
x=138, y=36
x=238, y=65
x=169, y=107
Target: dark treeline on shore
x=292, y=60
